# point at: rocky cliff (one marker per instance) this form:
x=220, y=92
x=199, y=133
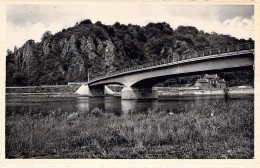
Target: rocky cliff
x=97, y=49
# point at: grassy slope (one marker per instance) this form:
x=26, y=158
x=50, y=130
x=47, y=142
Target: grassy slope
x=195, y=133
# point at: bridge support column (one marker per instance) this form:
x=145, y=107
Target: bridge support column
x=132, y=93
x=85, y=90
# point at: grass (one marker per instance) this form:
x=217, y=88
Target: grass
x=216, y=131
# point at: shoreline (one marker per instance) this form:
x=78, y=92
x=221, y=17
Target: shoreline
x=68, y=91
x=161, y=94
x=201, y=92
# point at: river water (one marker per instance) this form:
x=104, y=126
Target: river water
x=114, y=104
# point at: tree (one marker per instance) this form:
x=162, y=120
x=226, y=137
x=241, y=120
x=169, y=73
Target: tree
x=98, y=23
x=87, y=21
x=46, y=35
x=117, y=25
x=34, y=70
x=10, y=68
x=184, y=30
x=141, y=36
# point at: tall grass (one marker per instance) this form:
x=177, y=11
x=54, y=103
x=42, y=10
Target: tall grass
x=216, y=131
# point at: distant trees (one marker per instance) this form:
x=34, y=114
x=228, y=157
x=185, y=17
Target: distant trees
x=10, y=68
x=201, y=42
x=13, y=76
x=184, y=30
x=50, y=69
x=34, y=66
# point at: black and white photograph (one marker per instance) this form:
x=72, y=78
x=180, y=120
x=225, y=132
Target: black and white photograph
x=129, y=80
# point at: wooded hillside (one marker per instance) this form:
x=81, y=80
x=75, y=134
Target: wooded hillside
x=65, y=56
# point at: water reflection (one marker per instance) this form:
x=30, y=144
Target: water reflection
x=82, y=104
x=112, y=104
x=138, y=105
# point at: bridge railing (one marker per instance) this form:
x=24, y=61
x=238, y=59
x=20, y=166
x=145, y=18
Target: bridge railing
x=216, y=51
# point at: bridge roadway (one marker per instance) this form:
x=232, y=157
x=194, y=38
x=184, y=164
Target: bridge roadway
x=139, y=81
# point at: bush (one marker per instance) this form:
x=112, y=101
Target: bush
x=97, y=112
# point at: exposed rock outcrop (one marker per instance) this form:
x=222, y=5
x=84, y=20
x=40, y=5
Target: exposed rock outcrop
x=100, y=46
x=22, y=56
x=109, y=54
x=76, y=71
x=87, y=47
x=68, y=47
x=46, y=47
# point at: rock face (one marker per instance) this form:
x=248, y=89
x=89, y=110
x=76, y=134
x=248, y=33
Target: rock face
x=77, y=71
x=79, y=53
x=71, y=43
x=18, y=59
x=100, y=46
x=88, y=47
x=23, y=55
x=64, y=45
x=46, y=47
x=68, y=47
x=83, y=44
x=109, y=54
x=72, y=66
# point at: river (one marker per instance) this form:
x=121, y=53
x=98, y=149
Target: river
x=114, y=104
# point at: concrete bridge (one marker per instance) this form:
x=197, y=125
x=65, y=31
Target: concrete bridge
x=139, y=81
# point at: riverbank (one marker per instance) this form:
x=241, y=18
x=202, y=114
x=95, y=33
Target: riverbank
x=217, y=130
x=45, y=89
x=69, y=91
x=241, y=91
x=195, y=91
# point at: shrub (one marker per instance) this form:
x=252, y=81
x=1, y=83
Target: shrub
x=97, y=112
x=72, y=118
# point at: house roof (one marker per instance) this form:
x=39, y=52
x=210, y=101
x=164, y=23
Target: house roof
x=202, y=81
x=221, y=81
x=210, y=76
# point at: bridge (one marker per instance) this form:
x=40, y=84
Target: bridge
x=138, y=81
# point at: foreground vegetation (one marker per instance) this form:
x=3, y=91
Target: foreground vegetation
x=220, y=130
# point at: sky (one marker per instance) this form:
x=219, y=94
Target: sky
x=30, y=21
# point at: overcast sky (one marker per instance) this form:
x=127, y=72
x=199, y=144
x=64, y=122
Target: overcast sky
x=31, y=21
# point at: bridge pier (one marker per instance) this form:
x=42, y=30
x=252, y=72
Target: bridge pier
x=132, y=93
x=85, y=90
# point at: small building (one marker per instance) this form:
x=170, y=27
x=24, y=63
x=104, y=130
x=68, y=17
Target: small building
x=211, y=82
